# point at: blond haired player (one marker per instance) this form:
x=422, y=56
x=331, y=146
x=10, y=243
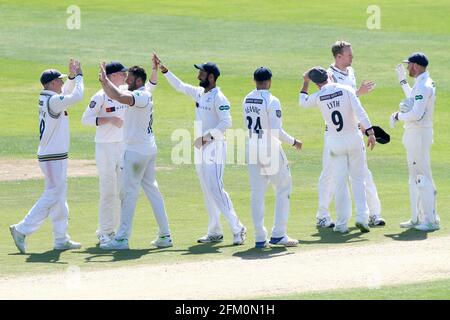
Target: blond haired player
x=342, y=110
x=54, y=101
x=342, y=72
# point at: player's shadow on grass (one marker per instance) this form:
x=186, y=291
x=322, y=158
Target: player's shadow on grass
x=51, y=256
x=206, y=248
x=101, y=256
x=327, y=235
x=263, y=253
x=408, y=235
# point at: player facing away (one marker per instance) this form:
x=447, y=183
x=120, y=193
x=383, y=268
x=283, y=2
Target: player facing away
x=417, y=140
x=342, y=110
x=342, y=72
x=53, y=149
x=139, y=156
x=267, y=162
x=107, y=116
x=212, y=111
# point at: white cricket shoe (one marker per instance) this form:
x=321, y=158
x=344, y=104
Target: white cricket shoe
x=427, y=227
x=68, y=245
x=105, y=238
x=283, y=241
x=210, y=238
x=363, y=227
x=409, y=224
x=115, y=244
x=163, y=242
x=376, y=221
x=19, y=239
x=324, y=222
x=341, y=229
x=239, y=237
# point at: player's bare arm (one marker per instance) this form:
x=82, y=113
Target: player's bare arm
x=306, y=81
x=115, y=121
x=112, y=91
x=371, y=141
x=155, y=63
x=365, y=88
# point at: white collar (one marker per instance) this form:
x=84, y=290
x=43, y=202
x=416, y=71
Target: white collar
x=339, y=70
x=422, y=76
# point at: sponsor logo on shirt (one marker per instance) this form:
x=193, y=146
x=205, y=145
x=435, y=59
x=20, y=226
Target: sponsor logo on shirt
x=278, y=113
x=221, y=108
x=111, y=109
x=92, y=104
x=419, y=97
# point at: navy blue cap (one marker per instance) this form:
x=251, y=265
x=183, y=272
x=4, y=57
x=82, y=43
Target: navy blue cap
x=262, y=74
x=209, y=67
x=50, y=75
x=318, y=75
x=115, y=66
x=419, y=58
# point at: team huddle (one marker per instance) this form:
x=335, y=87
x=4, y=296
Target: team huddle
x=125, y=152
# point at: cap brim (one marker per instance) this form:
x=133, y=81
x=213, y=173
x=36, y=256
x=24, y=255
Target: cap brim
x=63, y=75
x=406, y=61
x=199, y=67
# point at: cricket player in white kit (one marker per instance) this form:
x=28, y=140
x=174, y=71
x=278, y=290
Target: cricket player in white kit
x=342, y=72
x=139, y=156
x=54, y=101
x=342, y=110
x=267, y=162
x=108, y=115
x=212, y=111
x=417, y=114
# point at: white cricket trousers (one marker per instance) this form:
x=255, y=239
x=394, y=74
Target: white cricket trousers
x=139, y=169
x=281, y=181
x=51, y=203
x=108, y=157
x=417, y=142
x=348, y=158
x=210, y=173
x=326, y=187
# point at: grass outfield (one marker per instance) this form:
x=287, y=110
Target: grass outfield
x=287, y=36
x=433, y=290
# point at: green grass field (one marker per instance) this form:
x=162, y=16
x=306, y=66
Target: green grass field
x=287, y=36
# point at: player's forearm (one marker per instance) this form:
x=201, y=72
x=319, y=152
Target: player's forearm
x=416, y=113
x=406, y=88
x=68, y=86
x=116, y=94
x=305, y=100
x=179, y=85
x=154, y=77
x=89, y=120
x=283, y=136
x=62, y=102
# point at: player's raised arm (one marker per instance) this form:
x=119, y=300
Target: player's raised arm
x=401, y=74
x=61, y=102
x=305, y=100
x=177, y=84
x=150, y=86
x=112, y=91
